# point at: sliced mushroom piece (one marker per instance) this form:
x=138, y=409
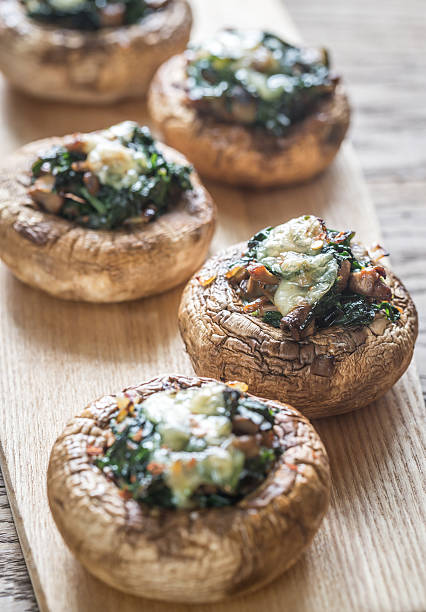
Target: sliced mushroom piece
x=237, y=274
x=343, y=275
x=81, y=166
x=42, y=193
x=266, y=438
x=253, y=288
x=244, y=426
x=92, y=183
x=376, y=252
x=74, y=198
x=259, y=273
x=369, y=282
x=259, y=303
x=249, y=445
x=295, y=322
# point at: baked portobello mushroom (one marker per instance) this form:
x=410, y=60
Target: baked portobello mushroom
x=303, y=314
x=86, y=51
x=106, y=216
x=187, y=489
x=250, y=109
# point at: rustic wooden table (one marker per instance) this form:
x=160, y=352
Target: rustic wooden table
x=380, y=48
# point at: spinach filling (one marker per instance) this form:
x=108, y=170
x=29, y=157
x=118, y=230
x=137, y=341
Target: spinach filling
x=257, y=79
x=173, y=469
x=347, y=308
x=340, y=305
x=90, y=14
x=110, y=200
x=350, y=310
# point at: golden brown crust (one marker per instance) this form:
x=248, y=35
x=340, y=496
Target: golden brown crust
x=190, y=556
x=334, y=371
x=75, y=263
x=233, y=153
x=89, y=67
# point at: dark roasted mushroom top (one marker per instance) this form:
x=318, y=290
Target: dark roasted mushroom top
x=256, y=79
x=195, y=447
x=91, y=14
x=302, y=275
x=108, y=179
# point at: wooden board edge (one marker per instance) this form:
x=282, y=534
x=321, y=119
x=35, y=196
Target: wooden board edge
x=22, y=535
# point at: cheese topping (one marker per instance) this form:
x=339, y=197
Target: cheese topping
x=64, y=5
x=294, y=249
x=240, y=46
x=249, y=59
x=110, y=159
x=194, y=446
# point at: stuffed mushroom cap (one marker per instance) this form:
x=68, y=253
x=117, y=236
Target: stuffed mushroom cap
x=238, y=154
x=89, y=67
x=52, y=253
x=186, y=555
x=332, y=371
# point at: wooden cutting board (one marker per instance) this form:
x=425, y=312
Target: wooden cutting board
x=57, y=356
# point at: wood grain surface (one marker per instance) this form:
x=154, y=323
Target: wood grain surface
x=55, y=357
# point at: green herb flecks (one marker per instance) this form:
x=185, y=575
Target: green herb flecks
x=272, y=317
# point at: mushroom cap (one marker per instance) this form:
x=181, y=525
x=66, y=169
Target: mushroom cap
x=66, y=260
x=335, y=370
x=239, y=155
x=186, y=555
x=89, y=67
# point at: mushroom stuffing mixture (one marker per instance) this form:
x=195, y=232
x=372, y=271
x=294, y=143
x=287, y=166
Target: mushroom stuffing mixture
x=256, y=79
x=301, y=276
x=197, y=447
x=107, y=179
x=91, y=14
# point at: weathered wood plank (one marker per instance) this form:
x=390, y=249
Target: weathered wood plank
x=380, y=47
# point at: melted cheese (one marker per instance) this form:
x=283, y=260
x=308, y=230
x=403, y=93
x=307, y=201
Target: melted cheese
x=183, y=420
x=67, y=5
x=295, y=249
x=110, y=159
x=298, y=235
x=307, y=279
x=232, y=44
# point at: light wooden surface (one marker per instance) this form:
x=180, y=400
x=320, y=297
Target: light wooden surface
x=367, y=556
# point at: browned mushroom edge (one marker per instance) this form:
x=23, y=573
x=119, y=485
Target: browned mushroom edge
x=72, y=262
x=180, y=555
x=89, y=67
x=236, y=154
x=335, y=370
